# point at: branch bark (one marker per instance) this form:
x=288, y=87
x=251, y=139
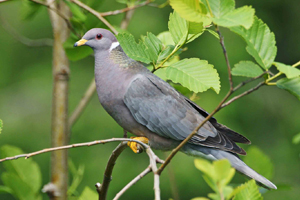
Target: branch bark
x=133, y=181
x=102, y=191
x=61, y=71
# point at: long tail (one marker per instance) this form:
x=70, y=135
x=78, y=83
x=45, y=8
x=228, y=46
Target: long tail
x=236, y=162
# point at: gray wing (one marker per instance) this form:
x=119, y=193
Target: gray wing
x=158, y=106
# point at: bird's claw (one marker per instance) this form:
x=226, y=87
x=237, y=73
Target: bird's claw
x=136, y=147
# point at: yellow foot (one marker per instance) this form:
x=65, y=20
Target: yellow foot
x=136, y=147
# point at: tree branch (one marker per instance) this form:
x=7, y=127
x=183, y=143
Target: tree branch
x=102, y=191
x=83, y=103
x=85, y=144
x=115, y=12
x=133, y=181
x=97, y=14
x=243, y=94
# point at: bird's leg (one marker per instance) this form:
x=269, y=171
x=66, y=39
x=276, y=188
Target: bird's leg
x=135, y=147
x=124, y=133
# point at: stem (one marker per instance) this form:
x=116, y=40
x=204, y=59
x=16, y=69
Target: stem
x=97, y=14
x=61, y=71
x=109, y=168
x=134, y=181
x=278, y=74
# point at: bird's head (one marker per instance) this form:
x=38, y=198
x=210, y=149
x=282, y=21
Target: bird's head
x=98, y=39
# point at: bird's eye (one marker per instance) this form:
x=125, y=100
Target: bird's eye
x=98, y=36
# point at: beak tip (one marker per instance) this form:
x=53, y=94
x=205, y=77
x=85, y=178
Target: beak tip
x=75, y=45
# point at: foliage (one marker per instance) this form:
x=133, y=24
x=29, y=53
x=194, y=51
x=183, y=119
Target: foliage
x=189, y=21
x=218, y=175
x=22, y=178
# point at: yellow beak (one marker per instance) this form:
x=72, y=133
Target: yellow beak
x=80, y=43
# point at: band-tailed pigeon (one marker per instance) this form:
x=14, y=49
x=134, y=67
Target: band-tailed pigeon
x=147, y=106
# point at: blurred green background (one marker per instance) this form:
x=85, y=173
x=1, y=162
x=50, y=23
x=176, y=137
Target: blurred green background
x=269, y=117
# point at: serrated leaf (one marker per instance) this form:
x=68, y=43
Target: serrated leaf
x=247, y=69
x=20, y=189
x=239, y=17
x=178, y=28
x=248, y=190
x=291, y=85
x=191, y=10
x=220, y=8
x=88, y=194
x=1, y=125
x=259, y=161
x=195, y=74
x=223, y=172
x=289, y=71
x=164, y=53
x=27, y=170
x=139, y=51
x=296, y=139
x=260, y=42
x=154, y=46
x=166, y=38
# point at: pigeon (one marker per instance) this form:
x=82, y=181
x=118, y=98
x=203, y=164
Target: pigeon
x=150, y=108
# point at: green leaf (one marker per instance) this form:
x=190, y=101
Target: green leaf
x=214, y=33
x=154, y=46
x=1, y=125
x=289, y=71
x=259, y=161
x=146, y=51
x=204, y=166
x=30, y=9
x=20, y=188
x=178, y=28
x=200, y=198
x=167, y=51
x=76, y=11
x=88, y=194
x=291, y=85
x=239, y=17
x=247, y=69
x=220, y=8
x=195, y=74
x=249, y=190
x=191, y=10
x=75, y=54
x=5, y=189
x=166, y=38
x=296, y=139
x=223, y=171
x=27, y=170
x=260, y=42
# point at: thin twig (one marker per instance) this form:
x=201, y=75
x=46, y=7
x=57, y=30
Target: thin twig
x=132, y=182
x=115, y=12
x=85, y=144
x=109, y=168
x=96, y=13
x=248, y=81
x=65, y=18
x=83, y=103
x=243, y=94
x=153, y=159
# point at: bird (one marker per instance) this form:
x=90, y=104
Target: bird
x=150, y=108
